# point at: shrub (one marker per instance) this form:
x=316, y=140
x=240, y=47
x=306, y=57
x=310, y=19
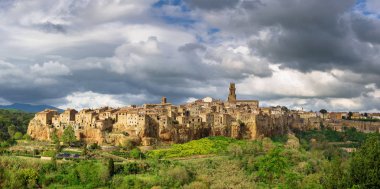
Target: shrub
x=27, y=137
x=235, y=150
x=136, y=154
x=175, y=176
x=129, y=145
x=131, y=168
x=94, y=146
x=365, y=164
x=22, y=178
x=94, y=173
x=49, y=153
x=196, y=185
x=17, y=135
x=210, y=145
x=271, y=166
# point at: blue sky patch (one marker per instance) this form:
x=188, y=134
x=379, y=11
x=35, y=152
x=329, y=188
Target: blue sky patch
x=361, y=6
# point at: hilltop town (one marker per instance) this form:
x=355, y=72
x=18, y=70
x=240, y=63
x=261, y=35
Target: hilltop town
x=150, y=124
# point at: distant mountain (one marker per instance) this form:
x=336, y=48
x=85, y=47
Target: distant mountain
x=29, y=107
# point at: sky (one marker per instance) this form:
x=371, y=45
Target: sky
x=309, y=54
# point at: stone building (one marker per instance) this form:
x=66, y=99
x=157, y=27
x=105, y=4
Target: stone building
x=165, y=122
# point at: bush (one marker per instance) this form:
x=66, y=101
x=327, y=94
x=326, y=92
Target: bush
x=93, y=173
x=17, y=135
x=271, y=166
x=196, y=185
x=210, y=145
x=27, y=137
x=175, y=176
x=365, y=164
x=235, y=150
x=129, y=145
x=49, y=153
x=94, y=146
x=23, y=178
x=131, y=168
x=121, y=154
x=136, y=154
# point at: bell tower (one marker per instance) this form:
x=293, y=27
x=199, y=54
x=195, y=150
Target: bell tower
x=232, y=95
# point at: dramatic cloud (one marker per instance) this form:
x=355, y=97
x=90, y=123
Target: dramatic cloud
x=80, y=53
x=212, y=4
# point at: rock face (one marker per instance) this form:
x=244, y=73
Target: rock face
x=39, y=131
x=164, y=122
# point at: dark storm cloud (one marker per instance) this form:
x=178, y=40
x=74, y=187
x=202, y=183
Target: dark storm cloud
x=82, y=51
x=191, y=46
x=51, y=27
x=307, y=35
x=366, y=29
x=308, y=50
x=212, y=4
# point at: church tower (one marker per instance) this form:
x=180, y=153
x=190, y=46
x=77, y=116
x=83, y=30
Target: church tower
x=232, y=95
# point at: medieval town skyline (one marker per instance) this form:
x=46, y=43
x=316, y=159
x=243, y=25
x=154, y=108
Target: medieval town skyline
x=88, y=54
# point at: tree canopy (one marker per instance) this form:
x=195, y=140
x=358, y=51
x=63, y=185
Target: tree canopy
x=68, y=135
x=365, y=164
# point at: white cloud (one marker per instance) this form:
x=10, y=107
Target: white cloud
x=50, y=68
x=89, y=99
x=289, y=82
x=191, y=99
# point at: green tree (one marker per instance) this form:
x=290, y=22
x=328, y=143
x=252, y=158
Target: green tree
x=323, y=112
x=54, y=161
x=84, y=152
x=271, y=166
x=365, y=164
x=68, y=136
x=285, y=109
x=335, y=174
x=12, y=130
x=136, y=154
x=54, y=137
x=27, y=137
x=131, y=168
x=349, y=115
x=111, y=167
x=57, y=147
x=17, y=135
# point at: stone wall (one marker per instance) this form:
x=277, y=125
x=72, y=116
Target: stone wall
x=363, y=126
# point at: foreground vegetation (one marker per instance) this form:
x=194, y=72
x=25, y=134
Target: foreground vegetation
x=13, y=126
x=309, y=161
